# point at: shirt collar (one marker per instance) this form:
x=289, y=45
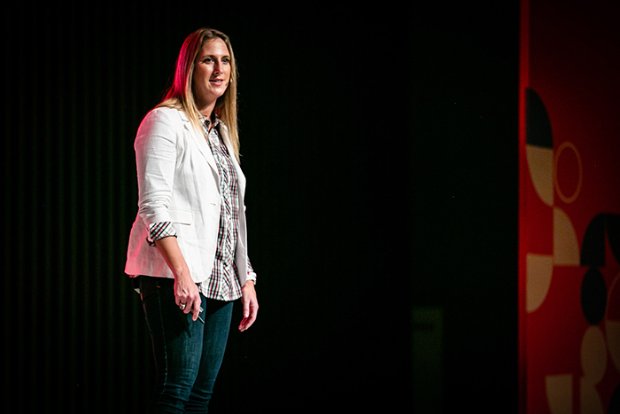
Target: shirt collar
x=207, y=122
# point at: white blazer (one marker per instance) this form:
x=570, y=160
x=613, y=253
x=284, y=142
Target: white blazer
x=178, y=182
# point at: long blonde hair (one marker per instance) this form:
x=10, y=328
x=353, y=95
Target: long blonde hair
x=180, y=93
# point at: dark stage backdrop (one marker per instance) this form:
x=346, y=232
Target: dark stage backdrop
x=380, y=147
x=464, y=190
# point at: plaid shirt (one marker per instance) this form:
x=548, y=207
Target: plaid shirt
x=224, y=282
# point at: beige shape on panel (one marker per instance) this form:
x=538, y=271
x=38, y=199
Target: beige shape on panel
x=559, y=390
x=612, y=327
x=590, y=400
x=565, y=243
x=540, y=165
x=593, y=355
x=539, y=270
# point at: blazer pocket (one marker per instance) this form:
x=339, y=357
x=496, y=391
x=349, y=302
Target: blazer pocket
x=181, y=216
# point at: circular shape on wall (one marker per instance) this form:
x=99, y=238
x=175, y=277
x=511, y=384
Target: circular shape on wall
x=565, y=165
x=593, y=296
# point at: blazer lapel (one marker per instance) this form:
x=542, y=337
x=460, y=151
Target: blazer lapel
x=240, y=176
x=202, y=144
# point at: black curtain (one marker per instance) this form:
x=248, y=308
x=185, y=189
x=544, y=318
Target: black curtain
x=380, y=147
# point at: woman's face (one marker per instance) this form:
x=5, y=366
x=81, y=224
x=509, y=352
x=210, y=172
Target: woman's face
x=211, y=72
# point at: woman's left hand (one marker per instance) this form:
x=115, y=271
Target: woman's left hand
x=250, y=305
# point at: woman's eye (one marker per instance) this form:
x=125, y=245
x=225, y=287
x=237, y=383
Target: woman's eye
x=213, y=60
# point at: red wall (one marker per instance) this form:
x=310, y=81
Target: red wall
x=569, y=208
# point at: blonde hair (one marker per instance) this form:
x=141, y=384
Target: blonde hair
x=180, y=93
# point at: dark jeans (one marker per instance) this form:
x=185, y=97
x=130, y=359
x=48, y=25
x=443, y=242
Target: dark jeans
x=188, y=354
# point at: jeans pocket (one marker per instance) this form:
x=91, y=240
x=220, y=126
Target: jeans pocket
x=151, y=285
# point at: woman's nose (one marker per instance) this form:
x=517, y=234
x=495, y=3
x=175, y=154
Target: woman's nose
x=217, y=67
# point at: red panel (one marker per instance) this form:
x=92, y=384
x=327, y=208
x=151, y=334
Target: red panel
x=569, y=57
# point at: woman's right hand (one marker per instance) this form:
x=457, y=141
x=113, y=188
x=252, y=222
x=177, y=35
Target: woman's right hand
x=186, y=293
x=187, y=296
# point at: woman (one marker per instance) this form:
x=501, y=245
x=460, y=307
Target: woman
x=187, y=247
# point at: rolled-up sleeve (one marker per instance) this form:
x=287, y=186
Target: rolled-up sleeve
x=158, y=231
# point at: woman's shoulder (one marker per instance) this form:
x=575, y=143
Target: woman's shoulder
x=162, y=121
x=167, y=113
x=164, y=116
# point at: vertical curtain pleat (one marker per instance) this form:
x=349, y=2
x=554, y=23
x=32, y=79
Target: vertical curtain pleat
x=76, y=88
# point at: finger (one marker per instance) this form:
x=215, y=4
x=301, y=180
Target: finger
x=243, y=325
x=247, y=322
x=196, y=309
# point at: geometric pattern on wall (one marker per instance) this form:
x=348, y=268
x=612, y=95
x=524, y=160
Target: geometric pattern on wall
x=570, y=209
x=572, y=337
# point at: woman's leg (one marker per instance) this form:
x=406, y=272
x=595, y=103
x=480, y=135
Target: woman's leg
x=217, y=316
x=177, y=345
